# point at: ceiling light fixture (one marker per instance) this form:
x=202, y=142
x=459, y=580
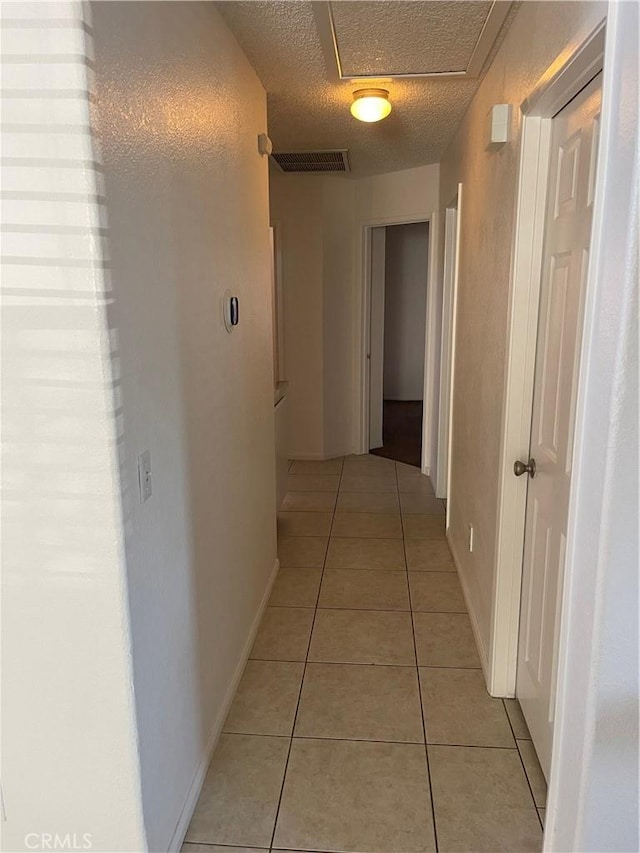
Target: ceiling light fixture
x=370, y=104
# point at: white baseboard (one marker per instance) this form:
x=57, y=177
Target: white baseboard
x=482, y=651
x=191, y=800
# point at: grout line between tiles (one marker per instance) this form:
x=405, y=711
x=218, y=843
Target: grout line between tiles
x=415, y=651
x=368, y=663
x=376, y=740
x=230, y=846
x=306, y=661
x=373, y=609
x=524, y=769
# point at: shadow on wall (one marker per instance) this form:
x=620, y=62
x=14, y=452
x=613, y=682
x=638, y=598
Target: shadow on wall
x=178, y=113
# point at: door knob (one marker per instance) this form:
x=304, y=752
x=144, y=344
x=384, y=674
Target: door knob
x=520, y=468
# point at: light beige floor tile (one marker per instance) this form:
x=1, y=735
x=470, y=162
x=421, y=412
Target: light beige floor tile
x=437, y=592
x=220, y=848
x=541, y=814
x=419, y=485
x=445, y=639
x=417, y=504
x=423, y=526
x=266, y=698
x=296, y=588
x=305, y=552
x=364, y=589
x=405, y=470
x=429, y=555
x=283, y=634
x=355, y=483
x=362, y=636
x=482, y=801
x=368, y=466
x=372, y=502
x=309, y=501
x=304, y=523
x=534, y=772
x=368, y=525
x=360, y=703
x=311, y=468
x=313, y=482
x=239, y=798
x=517, y=720
x=354, y=553
x=458, y=709
x=356, y=796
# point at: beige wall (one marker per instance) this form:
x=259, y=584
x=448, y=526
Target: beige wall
x=179, y=110
x=540, y=33
x=405, y=313
x=297, y=214
x=321, y=219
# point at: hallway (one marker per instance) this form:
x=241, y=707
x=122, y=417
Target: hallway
x=364, y=648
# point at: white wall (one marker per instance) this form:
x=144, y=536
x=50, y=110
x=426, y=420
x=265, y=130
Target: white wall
x=179, y=110
x=321, y=220
x=340, y=253
x=69, y=751
x=406, y=271
x=540, y=32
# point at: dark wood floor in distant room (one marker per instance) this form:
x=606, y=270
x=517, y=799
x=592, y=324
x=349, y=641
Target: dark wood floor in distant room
x=402, y=431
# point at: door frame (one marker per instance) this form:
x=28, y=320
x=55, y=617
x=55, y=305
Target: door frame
x=554, y=91
x=451, y=267
x=431, y=333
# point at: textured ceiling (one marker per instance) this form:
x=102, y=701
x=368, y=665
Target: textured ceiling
x=308, y=109
x=381, y=38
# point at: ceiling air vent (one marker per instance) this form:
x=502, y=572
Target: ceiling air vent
x=312, y=161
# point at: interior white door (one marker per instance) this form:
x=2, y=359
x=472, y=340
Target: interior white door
x=565, y=260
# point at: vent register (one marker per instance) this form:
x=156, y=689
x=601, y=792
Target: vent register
x=312, y=161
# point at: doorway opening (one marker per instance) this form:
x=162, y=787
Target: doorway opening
x=397, y=340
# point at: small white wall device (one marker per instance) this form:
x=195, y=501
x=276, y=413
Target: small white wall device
x=230, y=311
x=499, y=121
x=264, y=145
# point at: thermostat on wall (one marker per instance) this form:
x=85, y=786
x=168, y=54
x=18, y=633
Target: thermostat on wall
x=230, y=310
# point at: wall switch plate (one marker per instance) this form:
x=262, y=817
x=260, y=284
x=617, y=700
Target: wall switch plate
x=470, y=538
x=144, y=476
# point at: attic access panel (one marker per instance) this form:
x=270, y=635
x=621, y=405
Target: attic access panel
x=421, y=38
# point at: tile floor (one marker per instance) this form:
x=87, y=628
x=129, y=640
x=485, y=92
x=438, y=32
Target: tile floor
x=362, y=723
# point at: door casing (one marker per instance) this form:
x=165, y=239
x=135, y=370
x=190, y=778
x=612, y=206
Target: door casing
x=552, y=93
x=453, y=212
x=432, y=334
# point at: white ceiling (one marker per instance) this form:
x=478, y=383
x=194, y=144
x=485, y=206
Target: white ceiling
x=308, y=102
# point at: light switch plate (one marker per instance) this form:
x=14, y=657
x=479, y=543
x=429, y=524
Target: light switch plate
x=144, y=476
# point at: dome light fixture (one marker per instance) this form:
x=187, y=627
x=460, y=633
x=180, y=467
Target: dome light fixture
x=370, y=104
